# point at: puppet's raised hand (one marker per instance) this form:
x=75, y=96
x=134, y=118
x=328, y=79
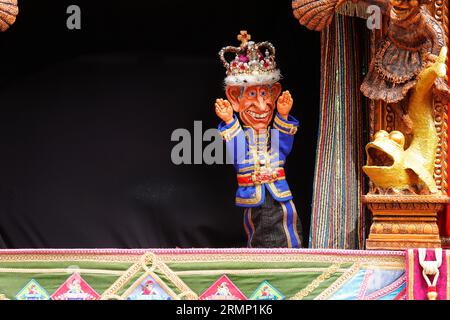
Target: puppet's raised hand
x=224, y=110
x=284, y=104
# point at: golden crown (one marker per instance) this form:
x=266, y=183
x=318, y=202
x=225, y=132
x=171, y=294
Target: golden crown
x=253, y=63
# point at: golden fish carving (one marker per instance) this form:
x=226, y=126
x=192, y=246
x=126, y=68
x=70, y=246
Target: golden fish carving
x=392, y=168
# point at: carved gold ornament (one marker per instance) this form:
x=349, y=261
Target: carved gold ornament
x=392, y=168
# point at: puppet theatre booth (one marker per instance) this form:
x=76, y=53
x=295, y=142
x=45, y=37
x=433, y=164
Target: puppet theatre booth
x=379, y=226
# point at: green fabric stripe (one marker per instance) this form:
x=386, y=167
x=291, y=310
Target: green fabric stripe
x=287, y=284
x=12, y=283
x=66, y=264
x=248, y=265
x=324, y=285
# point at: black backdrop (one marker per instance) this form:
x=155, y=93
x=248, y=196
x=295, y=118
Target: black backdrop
x=86, y=120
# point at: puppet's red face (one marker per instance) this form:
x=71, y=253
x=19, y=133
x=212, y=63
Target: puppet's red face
x=403, y=9
x=255, y=104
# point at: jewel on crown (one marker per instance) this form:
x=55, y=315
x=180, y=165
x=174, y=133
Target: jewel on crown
x=253, y=64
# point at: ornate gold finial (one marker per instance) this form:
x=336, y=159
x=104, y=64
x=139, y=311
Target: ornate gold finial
x=244, y=37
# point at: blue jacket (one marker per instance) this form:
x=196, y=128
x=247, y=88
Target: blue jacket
x=259, y=159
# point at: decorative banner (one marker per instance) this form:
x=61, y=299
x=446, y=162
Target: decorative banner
x=148, y=288
x=33, y=291
x=372, y=284
x=75, y=288
x=266, y=292
x=316, y=274
x=223, y=289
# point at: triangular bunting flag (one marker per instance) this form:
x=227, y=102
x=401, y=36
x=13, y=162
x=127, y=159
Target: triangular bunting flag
x=33, y=291
x=148, y=288
x=75, y=288
x=266, y=292
x=223, y=289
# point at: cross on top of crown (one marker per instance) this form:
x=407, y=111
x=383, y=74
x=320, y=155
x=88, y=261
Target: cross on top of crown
x=244, y=37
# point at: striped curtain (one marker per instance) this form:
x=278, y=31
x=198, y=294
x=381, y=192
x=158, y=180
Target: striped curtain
x=337, y=210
